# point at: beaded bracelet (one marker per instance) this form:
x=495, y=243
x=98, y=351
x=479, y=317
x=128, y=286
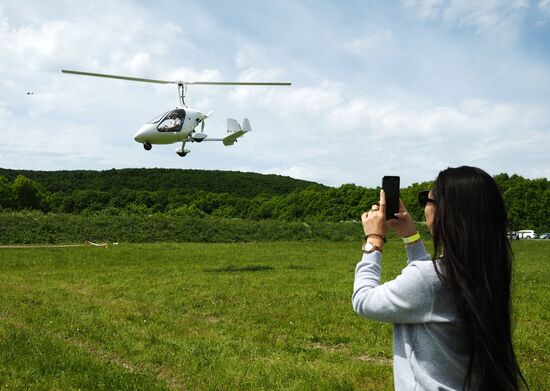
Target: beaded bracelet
x=376, y=236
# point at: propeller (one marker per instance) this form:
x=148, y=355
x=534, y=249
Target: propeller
x=203, y=117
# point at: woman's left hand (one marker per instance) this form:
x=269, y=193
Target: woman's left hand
x=403, y=224
x=374, y=221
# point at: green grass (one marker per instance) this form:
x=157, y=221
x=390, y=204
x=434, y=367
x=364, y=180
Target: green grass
x=218, y=316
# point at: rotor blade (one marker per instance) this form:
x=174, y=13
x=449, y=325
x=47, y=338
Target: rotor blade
x=238, y=83
x=206, y=83
x=119, y=77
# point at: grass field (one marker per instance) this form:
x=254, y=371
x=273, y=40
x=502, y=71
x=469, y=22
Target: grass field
x=218, y=316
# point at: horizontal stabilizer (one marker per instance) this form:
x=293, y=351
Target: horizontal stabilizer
x=230, y=140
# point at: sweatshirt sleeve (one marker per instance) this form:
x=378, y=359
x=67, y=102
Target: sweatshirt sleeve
x=417, y=252
x=406, y=299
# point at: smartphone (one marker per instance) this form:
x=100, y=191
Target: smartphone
x=390, y=185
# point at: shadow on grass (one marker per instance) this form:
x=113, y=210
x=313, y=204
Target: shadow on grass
x=234, y=269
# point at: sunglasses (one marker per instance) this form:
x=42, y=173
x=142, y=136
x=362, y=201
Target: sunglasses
x=424, y=198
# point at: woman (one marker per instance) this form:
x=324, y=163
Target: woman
x=451, y=316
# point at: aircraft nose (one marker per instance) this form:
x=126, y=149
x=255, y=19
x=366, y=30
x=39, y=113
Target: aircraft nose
x=140, y=135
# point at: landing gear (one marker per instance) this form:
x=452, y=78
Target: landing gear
x=147, y=146
x=182, y=151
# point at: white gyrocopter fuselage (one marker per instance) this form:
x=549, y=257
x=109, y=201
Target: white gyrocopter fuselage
x=170, y=127
x=180, y=124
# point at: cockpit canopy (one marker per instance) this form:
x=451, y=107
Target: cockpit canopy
x=171, y=121
x=157, y=118
x=179, y=112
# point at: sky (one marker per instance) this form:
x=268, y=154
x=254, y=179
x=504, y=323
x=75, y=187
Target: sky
x=404, y=88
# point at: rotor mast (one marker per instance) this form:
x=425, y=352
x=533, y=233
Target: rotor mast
x=182, y=90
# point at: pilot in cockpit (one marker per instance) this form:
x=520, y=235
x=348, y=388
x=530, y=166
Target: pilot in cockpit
x=174, y=125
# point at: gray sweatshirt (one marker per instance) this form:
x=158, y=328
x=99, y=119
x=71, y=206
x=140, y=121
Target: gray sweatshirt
x=430, y=350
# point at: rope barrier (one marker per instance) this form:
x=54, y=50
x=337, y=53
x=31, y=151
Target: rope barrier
x=86, y=244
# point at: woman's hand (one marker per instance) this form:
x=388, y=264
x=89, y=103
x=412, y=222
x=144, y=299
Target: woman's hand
x=403, y=225
x=374, y=221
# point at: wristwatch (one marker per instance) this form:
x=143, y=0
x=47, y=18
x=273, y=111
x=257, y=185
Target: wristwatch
x=369, y=247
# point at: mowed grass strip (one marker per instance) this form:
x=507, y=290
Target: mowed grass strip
x=218, y=316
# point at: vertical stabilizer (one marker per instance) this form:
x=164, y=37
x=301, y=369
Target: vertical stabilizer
x=246, y=125
x=232, y=125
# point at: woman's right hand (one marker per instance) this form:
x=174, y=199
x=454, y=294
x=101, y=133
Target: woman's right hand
x=403, y=225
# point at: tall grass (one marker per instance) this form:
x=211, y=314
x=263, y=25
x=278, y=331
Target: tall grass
x=37, y=227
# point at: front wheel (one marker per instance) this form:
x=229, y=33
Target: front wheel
x=147, y=146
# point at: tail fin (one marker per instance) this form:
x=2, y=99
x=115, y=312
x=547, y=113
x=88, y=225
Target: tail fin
x=235, y=131
x=232, y=125
x=246, y=125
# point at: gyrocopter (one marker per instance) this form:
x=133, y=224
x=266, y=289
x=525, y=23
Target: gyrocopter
x=179, y=124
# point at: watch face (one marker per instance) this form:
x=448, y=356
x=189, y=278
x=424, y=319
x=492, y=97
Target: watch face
x=368, y=247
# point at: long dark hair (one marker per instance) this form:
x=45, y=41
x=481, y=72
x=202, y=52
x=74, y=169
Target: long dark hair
x=469, y=227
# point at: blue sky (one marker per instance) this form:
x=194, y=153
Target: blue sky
x=379, y=88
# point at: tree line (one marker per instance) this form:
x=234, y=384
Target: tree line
x=244, y=184
x=527, y=200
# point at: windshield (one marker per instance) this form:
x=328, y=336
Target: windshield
x=172, y=122
x=156, y=119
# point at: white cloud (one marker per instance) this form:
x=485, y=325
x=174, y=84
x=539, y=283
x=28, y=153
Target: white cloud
x=251, y=56
x=467, y=123
x=488, y=15
x=497, y=17
x=5, y=114
x=427, y=9
x=192, y=74
x=116, y=41
x=544, y=5
x=326, y=135
x=300, y=172
x=295, y=103
x=368, y=41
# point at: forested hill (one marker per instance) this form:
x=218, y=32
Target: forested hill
x=233, y=195
x=243, y=184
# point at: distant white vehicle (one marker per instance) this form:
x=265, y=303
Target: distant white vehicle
x=526, y=234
